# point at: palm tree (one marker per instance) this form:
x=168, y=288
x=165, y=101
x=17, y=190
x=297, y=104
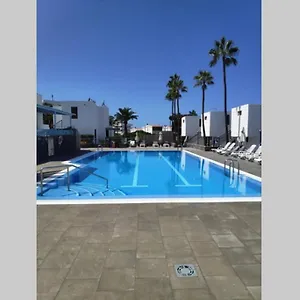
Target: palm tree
x=203, y=79
x=193, y=113
x=124, y=115
x=226, y=51
x=112, y=120
x=176, y=87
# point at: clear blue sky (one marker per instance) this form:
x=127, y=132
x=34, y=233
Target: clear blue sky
x=123, y=52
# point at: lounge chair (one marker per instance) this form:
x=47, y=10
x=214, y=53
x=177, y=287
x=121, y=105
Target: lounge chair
x=143, y=144
x=258, y=160
x=230, y=148
x=228, y=152
x=166, y=145
x=235, y=152
x=250, y=150
x=155, y=144
x=132, y=144
x=221, y=148
x=252, y=156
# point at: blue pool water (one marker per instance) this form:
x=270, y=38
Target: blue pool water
x=148, y=174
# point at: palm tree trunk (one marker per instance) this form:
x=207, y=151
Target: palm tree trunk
x=178, y=120
x=203, y=126
x=125, y=129
x=225, y=100
x=177, y=101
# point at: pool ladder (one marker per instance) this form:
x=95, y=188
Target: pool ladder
x=231, y=164
x=67, y=166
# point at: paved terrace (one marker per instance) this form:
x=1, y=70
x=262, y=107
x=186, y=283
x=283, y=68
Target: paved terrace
x=128, y=252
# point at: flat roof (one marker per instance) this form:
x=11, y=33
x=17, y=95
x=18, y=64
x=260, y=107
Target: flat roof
x=50, y=110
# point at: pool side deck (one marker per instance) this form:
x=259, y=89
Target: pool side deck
x=128, y=251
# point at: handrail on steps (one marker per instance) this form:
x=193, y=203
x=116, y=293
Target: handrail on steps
x=67, y=166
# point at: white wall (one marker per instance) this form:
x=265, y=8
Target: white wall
x=90, y=117
x=248, y=122
x=189, y=125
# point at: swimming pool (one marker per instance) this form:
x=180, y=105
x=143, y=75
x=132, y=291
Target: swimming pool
x=148, y=174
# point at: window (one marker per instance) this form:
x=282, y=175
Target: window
x=74, y=111
x=205, y=118
x=239, y=113
x=182, y=120
x=199, y=122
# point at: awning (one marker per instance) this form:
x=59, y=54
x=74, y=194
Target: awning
x=50, y=110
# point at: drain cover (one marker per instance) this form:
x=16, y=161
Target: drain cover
x=186, y=270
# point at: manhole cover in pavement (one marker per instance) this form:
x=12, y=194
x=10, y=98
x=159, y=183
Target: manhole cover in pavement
x=185, y=270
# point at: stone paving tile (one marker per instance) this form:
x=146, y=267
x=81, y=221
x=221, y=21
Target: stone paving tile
x=193, y=294
x=49, y=281
x=205, y=249
x=254, y=246
x=122, y=244
x=77, y=231
x=153, y=289
x=45, y=242
x=115, y=295
x=215, y=266
x=98, y=237
x=86, y=267
x=121, y=259
x=171, y=228
x=77, y=289
x=61, y=256
x=258, y=257
x=149, y=237
x=255, y=291
x=249, y=274
x=150, y=250
x=227, y=241
x=196, y=282
x=46, y=297
x=103, y=227
x=177, y=246
x=58, y=226
x=151, y=268
x=148, y=225
x=117, y=280
x=239, y=256
x=228, y=288
x=178, y=260
x=254, y=221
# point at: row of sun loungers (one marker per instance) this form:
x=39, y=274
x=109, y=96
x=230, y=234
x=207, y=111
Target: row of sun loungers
x=155, y=144
x=250, y=154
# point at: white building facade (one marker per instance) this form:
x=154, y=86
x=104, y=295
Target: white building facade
x=88, y=118
x=246, y=121
x=190, y=125
x=214, y=124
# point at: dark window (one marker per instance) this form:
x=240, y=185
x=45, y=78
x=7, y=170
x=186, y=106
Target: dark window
x=199, y=122
x=205, y=118
x=74, y=111
x=183, y=121
x=239, y=113
x=228, y=120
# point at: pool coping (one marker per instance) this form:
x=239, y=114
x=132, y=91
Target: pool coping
x=146, y=199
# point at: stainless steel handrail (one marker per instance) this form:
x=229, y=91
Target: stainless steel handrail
x=67, y=166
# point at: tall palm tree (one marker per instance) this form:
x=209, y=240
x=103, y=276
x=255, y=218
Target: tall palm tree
x=177, y=87
x=193, y=113
x=224, y=50
x=124, y=115
x=203, y=79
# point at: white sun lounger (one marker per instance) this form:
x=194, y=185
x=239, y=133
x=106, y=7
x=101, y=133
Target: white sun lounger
x=143, y=144
x=155, y=145
x=230, y=148
x=166, y=145
x=250, y=150
x=222, y=148
x=227, y=152
x=254, y=155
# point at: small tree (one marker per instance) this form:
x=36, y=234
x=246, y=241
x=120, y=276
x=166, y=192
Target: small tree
x=124, y=115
